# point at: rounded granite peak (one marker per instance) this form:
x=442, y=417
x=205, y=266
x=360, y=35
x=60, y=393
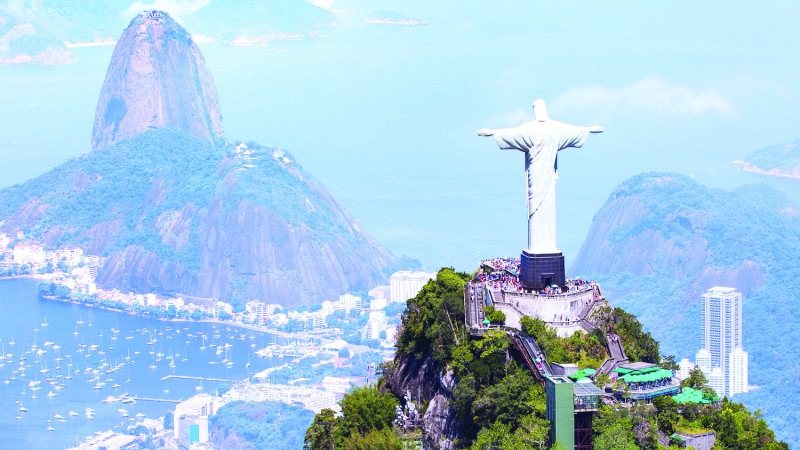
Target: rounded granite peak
x=157, y=78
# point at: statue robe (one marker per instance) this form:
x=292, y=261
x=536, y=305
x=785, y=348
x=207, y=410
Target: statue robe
x=541, y=141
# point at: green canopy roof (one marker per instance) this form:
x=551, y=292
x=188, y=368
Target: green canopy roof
x=647, y=375
x=690, y=395
x=583, y=373
x=486, y=321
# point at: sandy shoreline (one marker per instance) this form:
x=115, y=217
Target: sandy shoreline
x=47, y=277
x=774, y=172
x=38, y=276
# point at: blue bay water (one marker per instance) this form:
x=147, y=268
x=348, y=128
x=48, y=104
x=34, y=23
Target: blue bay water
x=22, y=315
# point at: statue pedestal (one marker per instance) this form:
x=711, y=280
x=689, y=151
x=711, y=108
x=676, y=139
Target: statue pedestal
x=537, y=271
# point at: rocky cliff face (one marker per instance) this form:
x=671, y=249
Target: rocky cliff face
x=157, y=78
x=424, y=381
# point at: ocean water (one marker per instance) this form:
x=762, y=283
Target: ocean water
x=104, y=341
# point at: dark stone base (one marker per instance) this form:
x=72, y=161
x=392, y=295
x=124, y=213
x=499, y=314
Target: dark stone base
x=539, y=271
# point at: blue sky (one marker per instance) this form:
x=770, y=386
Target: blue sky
x=382, y=107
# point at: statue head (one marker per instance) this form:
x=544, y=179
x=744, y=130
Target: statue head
x=540, y=110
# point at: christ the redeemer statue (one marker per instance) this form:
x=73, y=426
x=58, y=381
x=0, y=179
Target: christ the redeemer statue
x=541, y=140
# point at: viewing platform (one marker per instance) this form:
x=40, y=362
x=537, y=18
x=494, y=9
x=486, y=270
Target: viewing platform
x=644, y=381
x=565, y=308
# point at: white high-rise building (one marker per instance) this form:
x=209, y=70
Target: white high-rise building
x=703, y=361
x=686, y=366
x=405, y=284
x=737, y=372
x=722, y=328
x=716, y=379
x=384, y=292
x=348, y=302
x=191, y=418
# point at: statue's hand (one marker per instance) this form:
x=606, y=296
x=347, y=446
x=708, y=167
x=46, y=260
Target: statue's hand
x=596, y=129
x=484, y=132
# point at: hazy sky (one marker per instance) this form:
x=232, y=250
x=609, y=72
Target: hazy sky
x=382, y=107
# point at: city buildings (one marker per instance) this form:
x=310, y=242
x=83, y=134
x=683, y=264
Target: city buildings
x=685, y=367
x=404, y=285
x=737, y=373
x=376, y=324
x=191, y=419
x=381, y=292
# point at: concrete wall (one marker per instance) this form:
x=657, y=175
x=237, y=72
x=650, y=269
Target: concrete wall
x=551, y=309
x=701, y=441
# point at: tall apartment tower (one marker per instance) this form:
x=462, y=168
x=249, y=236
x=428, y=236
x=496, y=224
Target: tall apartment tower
x=722, y=329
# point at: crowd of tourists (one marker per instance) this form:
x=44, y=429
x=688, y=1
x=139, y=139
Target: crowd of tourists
x=503, y=264
x=499, y=280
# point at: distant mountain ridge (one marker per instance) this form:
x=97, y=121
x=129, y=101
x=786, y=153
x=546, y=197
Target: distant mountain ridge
x=44, y=26
x=181, y=211
x=781, y=160
x=24, y=42
x=661, y=239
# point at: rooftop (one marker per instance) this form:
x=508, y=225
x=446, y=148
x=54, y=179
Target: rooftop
x=636, y=366
x=587, y=389
x=722, y=290
x=559, y=379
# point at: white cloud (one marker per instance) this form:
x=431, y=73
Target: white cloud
x=652, y=95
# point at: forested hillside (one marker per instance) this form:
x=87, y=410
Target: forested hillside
x=176, y=215
x=491, y=401
x=662, y=239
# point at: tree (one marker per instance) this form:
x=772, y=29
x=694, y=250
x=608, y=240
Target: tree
x=433, y=322
x=690, y=411
x=169, y=420
x=614, y=430
x=696, y=380
x=602, y=380
x=493, y=438
x=374, y=440
x=321, y=435
x=616, y=437
x=494, y=316
x=668, y=421
x=514, y=397
x=533, y=432
x=365, y=409
x=668, y=362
